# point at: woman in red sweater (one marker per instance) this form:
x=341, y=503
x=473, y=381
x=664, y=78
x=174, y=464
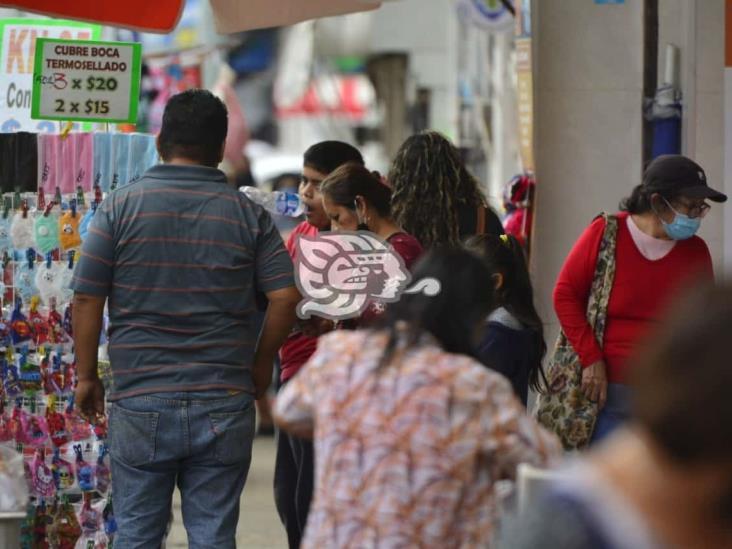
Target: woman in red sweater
x=657, y=256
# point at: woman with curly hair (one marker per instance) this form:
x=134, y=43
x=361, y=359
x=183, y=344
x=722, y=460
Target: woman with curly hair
x=435, y=198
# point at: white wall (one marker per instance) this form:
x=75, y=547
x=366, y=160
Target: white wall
x=589, y=63
x=427, y=29
x=697, y=28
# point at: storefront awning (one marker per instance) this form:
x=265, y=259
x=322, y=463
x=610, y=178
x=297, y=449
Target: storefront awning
x=162, y=15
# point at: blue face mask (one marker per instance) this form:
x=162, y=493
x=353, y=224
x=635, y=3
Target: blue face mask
x=682, y=227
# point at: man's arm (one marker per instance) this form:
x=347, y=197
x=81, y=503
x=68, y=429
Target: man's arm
x=88, y=320
x=278, y=322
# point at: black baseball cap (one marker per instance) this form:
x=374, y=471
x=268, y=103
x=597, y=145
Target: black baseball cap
x=680, y=175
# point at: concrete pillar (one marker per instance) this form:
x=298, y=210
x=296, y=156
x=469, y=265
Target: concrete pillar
x=589, y=79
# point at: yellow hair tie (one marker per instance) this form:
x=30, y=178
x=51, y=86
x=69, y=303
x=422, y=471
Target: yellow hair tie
x=504, y=238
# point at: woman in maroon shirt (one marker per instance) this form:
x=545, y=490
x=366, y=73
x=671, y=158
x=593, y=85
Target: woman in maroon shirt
x=356, y=199
x=657, y=256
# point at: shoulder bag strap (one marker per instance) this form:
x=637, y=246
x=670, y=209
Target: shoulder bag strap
x=604, y=278
x=480, y=226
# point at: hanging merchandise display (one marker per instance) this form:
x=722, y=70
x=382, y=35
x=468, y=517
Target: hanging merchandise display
x=66, y=459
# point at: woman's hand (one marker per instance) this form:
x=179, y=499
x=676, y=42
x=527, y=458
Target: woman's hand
x=594, y=383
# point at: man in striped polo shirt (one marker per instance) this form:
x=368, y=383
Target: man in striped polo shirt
x=178, y=255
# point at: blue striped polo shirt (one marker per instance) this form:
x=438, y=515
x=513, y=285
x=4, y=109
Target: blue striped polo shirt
x=179, y=254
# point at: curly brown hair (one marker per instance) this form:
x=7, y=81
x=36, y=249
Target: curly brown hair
x=430, y=183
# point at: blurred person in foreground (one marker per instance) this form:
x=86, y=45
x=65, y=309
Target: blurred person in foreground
x=411, y=430
x=294, y=470
x=178, y=254
x=436, y=199
x=664, y=480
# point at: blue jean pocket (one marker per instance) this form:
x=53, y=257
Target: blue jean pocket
x=234, y=432
x=132, y=435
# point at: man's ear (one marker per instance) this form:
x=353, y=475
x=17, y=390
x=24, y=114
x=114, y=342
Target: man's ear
x=221, y=152
x=497, y=281
x=157, y=146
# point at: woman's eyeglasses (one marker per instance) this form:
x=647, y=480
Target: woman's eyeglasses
x=696, y=210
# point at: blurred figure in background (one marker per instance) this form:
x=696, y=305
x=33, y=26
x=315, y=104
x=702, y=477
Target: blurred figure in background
x=294, y=469
x=436, y=199
x=513, y=337
x=665, y=480
x=411, y=430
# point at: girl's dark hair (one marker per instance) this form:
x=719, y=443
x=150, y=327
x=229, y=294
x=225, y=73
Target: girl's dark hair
x=352, y=180
x=639, y=201
x=452, y=315
x=505, y=256
x=326, y=156
x=430, y=184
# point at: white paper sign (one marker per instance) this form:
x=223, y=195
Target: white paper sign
x=86, y=80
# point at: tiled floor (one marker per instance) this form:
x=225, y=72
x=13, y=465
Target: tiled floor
x=259, y=525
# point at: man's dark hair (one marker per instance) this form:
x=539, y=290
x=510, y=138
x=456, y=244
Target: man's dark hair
x=194, y=127
x=326, y=156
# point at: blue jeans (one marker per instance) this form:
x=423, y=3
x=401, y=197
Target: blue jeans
x=201, y=442
x=615, y=413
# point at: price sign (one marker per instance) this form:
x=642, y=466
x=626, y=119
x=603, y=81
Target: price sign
x=90, y=80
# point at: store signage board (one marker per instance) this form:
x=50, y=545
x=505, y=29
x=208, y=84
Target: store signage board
x=88, y=81
x=17, y=54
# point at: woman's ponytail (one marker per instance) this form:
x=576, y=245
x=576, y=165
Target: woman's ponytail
x=505, y=256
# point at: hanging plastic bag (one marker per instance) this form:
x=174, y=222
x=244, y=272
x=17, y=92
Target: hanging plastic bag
x=6, y=431
x=75, y=424
x=56, y=424
x=63, y=472
x=103, y=473
x=46, y=232
x=42, y=483
x=21, y=229
x=65, y=530
x=20, y=329
x=84, y=471
x=13, y=486
x=69, y=229
x=110, y=523
x=39, y=323
x=35, y=430
x=56, y=334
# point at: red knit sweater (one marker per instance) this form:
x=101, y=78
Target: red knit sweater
x=641, y=293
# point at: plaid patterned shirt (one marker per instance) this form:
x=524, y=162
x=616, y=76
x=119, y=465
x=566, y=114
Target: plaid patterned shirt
x=407, y=454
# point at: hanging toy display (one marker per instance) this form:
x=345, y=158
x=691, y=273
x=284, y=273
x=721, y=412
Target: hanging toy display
x=66, y=459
